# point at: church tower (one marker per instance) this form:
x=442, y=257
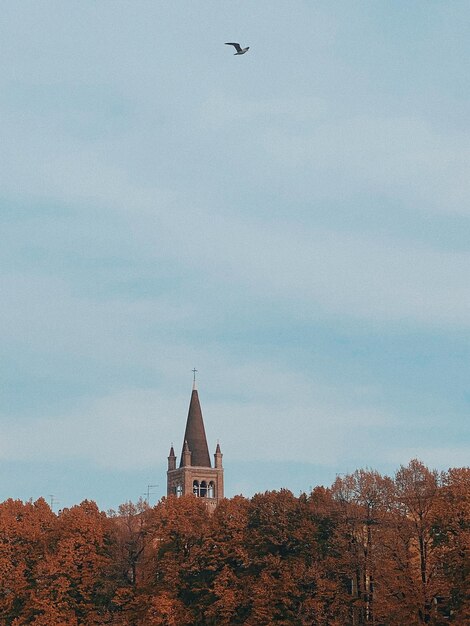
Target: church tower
x=195, y=474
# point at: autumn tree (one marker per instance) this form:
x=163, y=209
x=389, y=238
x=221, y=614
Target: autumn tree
x=451, y=536
x=177, y=583
x=363, y=499
x=70, y=578
x=27, y=535
x=228, y=560
x=332, y=598
x=282, y=553
x=368, y=551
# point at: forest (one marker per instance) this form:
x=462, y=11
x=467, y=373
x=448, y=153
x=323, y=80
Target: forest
x=370, y=549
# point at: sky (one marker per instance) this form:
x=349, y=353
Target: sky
x=293, y=222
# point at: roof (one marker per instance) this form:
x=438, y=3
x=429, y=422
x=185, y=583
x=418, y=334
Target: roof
x=195, y=434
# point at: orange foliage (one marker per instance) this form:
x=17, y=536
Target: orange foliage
x=370, y=550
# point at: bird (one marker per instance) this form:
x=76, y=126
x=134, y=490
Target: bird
x=238, y=48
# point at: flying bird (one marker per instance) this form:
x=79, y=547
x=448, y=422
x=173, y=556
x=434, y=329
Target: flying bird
x=238, y=48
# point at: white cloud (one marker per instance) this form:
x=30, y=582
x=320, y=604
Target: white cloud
x=120, y=431
x=406, y=160
x=309, y=270
x=315, y=273
x=48, y=315
x=284, y=417
x=321, y=153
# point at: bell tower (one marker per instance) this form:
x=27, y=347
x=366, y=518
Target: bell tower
x=195, y=474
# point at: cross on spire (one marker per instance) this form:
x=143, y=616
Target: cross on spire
x=194, y=370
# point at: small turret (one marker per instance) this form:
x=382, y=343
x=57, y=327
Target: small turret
x=172, y=459
x=218, y=457
x=186, y=456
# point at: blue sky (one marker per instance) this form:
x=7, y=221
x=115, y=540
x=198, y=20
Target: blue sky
x=294, y=222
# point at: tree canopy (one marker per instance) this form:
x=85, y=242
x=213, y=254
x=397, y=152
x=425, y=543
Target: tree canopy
x=370, y=549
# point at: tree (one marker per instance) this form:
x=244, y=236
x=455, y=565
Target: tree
x=363, y=500
x=177, y=578
x=451, y=537
x=228, y=561
x=282, y=555
x=413, y=550
x=369, y=551
x=71, y=584
x=27, y=535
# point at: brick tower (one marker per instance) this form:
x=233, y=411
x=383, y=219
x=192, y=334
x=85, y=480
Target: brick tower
x=195, y=473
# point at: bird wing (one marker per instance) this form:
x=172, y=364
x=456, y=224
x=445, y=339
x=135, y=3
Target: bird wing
x=237, y=45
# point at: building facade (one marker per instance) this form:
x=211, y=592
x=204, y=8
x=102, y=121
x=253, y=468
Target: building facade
x=195, y=474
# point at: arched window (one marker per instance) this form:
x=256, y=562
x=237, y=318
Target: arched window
x=203, y=489
x=211, y=490
x=179, y=490
x=196, y=488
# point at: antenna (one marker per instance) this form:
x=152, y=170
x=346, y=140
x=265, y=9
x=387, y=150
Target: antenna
x=53, y=500
x=194, y=370
x=149, y=491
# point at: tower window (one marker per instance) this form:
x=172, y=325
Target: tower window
x=196, y=488
x=211, y=490
x=203, y=489
x=179, y=490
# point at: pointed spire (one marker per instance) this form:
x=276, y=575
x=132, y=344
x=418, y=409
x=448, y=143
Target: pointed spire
x=186, y=456
x=172, y=459
x=218, y=457
x=195, y=435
